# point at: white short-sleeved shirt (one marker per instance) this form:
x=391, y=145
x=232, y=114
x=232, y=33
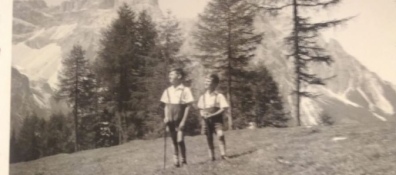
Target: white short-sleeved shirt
x=177, y=95
x=213, y=99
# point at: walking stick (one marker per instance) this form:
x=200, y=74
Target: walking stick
x=164, y=146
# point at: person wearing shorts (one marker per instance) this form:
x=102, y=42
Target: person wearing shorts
x=177, y=99
x=212, y=105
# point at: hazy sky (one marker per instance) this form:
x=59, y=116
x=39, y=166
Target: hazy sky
x=370, y=37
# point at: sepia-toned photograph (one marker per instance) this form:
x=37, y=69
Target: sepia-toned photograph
x=202, y=87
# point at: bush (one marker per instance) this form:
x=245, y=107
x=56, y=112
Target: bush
x=327, y=120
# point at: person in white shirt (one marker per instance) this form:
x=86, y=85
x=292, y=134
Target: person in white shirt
x=212, y=105
x=177, y=99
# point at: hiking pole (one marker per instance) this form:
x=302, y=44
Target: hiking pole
x=164, y=146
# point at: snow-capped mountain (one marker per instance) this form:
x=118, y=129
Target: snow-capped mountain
x=43, y=35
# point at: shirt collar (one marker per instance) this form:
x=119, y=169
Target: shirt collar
x=213, y=93
x=181, y=86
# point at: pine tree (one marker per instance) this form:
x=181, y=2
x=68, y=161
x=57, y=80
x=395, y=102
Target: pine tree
x=118, y=65
x=148, y=79
x=167, y=46
x=170, y=40
x=268, y=105
x=30, y=138
x=227, y=40
x=76, y=86
x=14, y=148
x=305, y=48
x=303, y=41
x=59, y=138
x=90, y=112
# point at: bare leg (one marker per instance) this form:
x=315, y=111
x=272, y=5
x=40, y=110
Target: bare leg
x=222, y=144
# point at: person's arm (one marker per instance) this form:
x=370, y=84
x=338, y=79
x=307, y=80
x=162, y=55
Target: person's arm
x=223, y=104
x=201, y=106
x=188, y=99
x=202, y=112
x=221, y=110
x=164, y=100
x=166, y=119
x=185, y=115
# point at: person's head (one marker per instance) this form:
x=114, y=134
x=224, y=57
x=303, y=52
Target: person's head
x=105, y=115
x=176, y=76
x=211, y=81
x=105, y=111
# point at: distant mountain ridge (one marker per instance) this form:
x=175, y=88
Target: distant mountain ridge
x=42, y=38
x=353, y=90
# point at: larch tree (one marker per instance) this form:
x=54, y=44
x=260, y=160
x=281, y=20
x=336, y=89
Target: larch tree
x=303, y=42
x=75, y=85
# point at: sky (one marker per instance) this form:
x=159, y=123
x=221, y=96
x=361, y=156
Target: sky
x=370, y=36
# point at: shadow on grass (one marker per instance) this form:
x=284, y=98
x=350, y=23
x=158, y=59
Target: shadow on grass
x=242, y=154
x=161, y=171
x=231, y=156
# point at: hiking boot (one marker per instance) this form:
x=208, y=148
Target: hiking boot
x=223, y=157
x=176, y=161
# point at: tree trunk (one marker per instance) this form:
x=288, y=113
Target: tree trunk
x=76, y=109
x=120, y=130
x=297, y=58
x=229, y=89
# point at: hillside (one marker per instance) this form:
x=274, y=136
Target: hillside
x=342, y=149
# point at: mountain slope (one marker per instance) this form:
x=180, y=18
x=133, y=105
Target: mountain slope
x=25, y=100
x=352, y=86
x=332, y=150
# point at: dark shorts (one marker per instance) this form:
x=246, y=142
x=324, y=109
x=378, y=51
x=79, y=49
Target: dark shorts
x=211, y=125
x=175, y=114
x=173, y=126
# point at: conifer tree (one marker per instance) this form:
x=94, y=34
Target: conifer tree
x=167, y=45
x=146, y=92
x=76, y=86
x=58, y=139
x=226, y=37
x=303, y=41
x=14, y=148
x=268, y=105
x=30, y=138
x=118, y=65
x=170, y=40
x=305, y=48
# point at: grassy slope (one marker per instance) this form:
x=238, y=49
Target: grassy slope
x=305, y=151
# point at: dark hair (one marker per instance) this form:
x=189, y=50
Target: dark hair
x=106, y=115
x=215, y=79
x=178, y=71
